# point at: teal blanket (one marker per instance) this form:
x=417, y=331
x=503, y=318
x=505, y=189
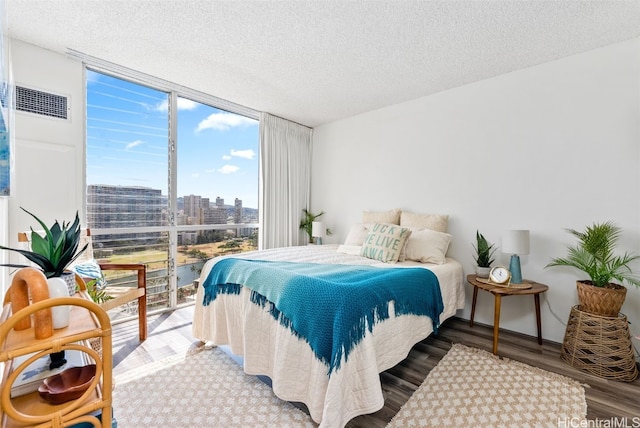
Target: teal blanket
x=330, y=306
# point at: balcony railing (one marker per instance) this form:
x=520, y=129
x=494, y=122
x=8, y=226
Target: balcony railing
x=193, y=246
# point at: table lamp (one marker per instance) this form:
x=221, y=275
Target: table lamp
x=516, y=243
x=317, y=231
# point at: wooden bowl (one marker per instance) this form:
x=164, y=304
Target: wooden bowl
x=68, y=384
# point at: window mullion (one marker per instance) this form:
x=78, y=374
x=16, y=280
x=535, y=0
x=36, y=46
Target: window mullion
x=173, y=198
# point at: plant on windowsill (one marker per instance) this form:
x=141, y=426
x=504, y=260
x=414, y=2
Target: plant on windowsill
x=483, y=255
x=594, y=255
x=307, y=223
x=55, y=251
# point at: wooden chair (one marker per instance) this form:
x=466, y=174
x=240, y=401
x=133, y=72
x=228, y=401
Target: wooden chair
x=139, y=293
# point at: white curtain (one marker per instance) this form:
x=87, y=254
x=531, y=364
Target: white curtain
x=285, y=176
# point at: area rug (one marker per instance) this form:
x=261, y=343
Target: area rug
x=472, y=387
x=204, y=389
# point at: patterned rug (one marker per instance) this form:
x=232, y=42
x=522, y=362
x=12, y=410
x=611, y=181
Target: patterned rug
x=474, y=388
x=204, y=389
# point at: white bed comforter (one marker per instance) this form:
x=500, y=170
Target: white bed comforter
x=270, y=349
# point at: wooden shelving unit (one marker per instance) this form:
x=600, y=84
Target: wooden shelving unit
x=87, y=321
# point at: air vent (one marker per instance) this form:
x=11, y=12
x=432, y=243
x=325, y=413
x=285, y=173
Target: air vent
x=43, y=103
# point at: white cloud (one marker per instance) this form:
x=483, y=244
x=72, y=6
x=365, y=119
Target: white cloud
x=195, y=175
x=183, y=104
x=228, y=169
x=224, y=122
x=247, y=154
x=133, y=144
x=161, y=106
x=226, y=157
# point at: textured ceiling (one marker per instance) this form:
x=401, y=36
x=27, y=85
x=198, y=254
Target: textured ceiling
x=318, y=61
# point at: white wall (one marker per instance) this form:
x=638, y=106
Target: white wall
x=49, y=152
x=546, y=148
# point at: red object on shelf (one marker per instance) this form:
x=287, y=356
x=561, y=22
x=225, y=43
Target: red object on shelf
x=67, y=385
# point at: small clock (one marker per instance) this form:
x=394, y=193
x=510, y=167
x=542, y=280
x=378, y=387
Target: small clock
x=500, y=275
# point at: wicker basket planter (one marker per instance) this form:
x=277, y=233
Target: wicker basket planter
x=604, y=301
x=600, y=346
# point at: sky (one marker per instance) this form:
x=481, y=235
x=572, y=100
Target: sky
x=127, y=143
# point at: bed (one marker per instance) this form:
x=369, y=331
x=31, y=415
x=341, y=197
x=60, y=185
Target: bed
x=333, y=394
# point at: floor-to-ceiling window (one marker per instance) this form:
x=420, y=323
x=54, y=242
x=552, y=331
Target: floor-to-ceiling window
x=171, y=181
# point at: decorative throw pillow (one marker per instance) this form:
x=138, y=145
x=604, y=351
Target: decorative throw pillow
x=90, y=270
x=357, y=234
x=428, y=246
x=437, y=222
x=389, y=217
x=384, y=242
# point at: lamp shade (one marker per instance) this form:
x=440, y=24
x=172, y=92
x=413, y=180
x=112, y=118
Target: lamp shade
x=515, y=242
x=317, y=229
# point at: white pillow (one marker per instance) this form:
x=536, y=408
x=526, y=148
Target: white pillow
x=384, y=242
x=357, y=234
x=437, y=222
x=389, y=217
x=427, y=246
x=403, y=252
x=353, y=250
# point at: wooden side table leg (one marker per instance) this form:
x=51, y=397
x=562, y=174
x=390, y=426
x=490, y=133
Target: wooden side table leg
x=473, y=305
x=496, y=323
x=536, y=298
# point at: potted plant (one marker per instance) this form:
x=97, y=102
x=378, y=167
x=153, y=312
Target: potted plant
x=483, y=257
x=594, y=255
x=98, y=295
x=54, y=251
x=307, y=223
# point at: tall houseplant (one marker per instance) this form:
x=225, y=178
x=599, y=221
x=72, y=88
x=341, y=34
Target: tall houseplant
x=483, y=255
x=594, y=255
x=54, y=251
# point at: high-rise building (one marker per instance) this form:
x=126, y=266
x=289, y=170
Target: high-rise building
x=237, y=213
x=214, y=215
x=124, y=206
x=110, y=207
x=192, y=205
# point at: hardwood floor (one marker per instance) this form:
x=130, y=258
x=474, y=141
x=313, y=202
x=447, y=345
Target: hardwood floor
x=170, y=334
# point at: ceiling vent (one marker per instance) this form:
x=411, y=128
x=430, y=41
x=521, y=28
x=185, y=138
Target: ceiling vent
x=42, y=103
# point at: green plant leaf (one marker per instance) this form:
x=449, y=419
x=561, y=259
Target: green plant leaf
x=57, y=249
x=484, y=251
x=594, y=255
x=98, y=296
